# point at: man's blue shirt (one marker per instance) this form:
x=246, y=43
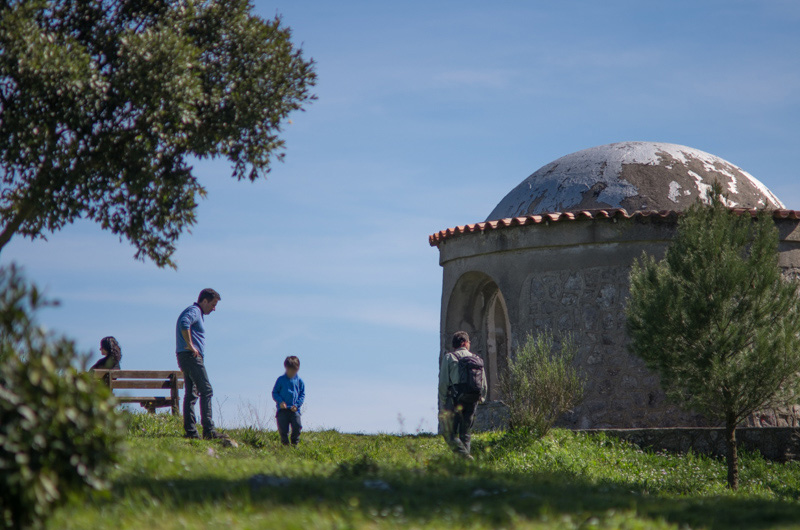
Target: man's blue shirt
x=191, y=319
x=289, y=391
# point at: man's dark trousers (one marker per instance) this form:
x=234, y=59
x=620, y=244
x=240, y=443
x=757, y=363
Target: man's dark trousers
x=195, y=382
x=459, y=426
x=287, y=418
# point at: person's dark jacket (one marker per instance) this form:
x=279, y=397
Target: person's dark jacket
x=106, y=363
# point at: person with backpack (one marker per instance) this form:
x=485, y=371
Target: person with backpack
x=462, y=385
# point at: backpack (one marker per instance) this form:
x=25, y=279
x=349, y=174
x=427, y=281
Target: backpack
x=470, y=379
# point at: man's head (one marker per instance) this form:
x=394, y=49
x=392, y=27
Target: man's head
x=460, y=340
x=292, y=365
x=207, y=300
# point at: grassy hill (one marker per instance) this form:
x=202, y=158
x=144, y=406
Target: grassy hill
x=344, y=481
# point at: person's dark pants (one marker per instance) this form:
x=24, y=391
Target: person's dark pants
x=196, y=383
x=287, y=418
x=458, y=422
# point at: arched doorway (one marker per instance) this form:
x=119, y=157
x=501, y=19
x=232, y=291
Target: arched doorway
x=478, y=307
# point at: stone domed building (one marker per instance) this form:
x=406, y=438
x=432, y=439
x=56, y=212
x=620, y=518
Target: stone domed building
x=556, y=254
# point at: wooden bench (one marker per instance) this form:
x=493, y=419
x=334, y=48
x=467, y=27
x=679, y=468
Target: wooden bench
x=146, y=380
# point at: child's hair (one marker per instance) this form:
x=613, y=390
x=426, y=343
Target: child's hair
x=292, y=362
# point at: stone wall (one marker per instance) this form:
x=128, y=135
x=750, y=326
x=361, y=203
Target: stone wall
x=572, y=277
x=589, y=305
x=491, y=416
x=775, y=443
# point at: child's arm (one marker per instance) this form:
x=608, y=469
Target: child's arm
x=276, y=392
x=301, y=397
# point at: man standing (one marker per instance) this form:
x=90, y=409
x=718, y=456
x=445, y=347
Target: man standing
x=190, y=339
x=462, y=385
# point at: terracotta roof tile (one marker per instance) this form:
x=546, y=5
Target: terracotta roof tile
x=612, y=213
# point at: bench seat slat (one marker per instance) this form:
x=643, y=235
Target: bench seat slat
x=143, y=384
x=158, y=401
x=139, y=374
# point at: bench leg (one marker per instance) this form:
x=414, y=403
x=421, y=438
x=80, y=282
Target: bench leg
x=174, y=395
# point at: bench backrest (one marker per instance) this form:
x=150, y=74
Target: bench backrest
x=141, y=379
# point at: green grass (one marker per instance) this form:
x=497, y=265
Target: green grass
x=341, y=481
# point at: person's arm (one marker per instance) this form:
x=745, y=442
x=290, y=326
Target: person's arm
x=444, y=380
x=187, y=336
x=484, y=388
x=301, y=396
x=185, y=324
x=276, y=392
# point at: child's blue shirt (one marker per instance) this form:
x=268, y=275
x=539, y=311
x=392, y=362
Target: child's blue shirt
x=289, y=391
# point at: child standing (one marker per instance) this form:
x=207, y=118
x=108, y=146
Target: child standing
x=289, y=393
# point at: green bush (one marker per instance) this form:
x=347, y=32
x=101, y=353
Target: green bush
x=59, y=430
x=541, y=383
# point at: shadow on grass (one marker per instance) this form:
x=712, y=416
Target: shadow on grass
x=467, y=494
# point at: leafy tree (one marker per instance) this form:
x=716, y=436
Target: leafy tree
x=716, y=319
x=59, y=430
x=105, y=104
x=540, y=383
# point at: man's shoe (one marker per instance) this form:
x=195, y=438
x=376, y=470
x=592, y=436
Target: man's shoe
x=193, y=436
x=214, y=435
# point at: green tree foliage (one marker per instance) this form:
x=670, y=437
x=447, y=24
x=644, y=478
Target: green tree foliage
x=59, y=430
x=18, y=303
x=541, y=383
x=104, y=105
x=716, y=319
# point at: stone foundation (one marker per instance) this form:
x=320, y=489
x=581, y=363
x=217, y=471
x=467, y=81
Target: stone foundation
x=491, y=416
x=775, y=433
x=781, y=444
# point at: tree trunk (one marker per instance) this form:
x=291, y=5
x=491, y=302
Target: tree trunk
x=733, y=457
x=13, y=225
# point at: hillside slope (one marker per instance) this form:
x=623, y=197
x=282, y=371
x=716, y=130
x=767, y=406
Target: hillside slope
x=343, y=481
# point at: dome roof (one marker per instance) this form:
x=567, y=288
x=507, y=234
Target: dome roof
x=633, y=176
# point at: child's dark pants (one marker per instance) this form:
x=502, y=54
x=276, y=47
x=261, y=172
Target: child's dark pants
x=287, y=418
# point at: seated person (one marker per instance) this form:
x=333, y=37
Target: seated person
x=112, y=355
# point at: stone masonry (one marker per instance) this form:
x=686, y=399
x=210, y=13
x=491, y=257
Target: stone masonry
x=572, y=277
x=588, y=305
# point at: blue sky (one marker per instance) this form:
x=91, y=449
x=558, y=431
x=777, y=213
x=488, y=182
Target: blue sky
x=428, y=114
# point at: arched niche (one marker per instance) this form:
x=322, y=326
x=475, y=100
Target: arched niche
x=478, y=307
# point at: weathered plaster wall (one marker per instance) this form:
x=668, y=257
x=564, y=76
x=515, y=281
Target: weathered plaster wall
x=571, y=277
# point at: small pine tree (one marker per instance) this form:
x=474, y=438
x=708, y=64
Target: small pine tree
x=716, y=319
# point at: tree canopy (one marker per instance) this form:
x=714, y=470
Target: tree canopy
x=104, y=105
x=716, y=318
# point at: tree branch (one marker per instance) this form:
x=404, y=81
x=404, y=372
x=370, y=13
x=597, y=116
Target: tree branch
x=25, y=209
